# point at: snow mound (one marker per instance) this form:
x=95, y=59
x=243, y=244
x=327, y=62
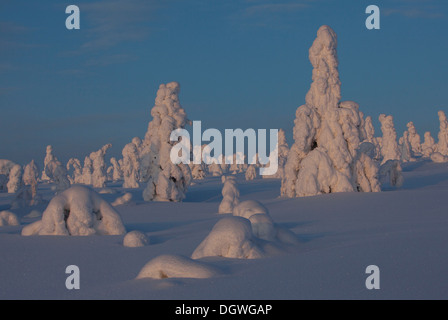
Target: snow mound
x=248, y=208
x=124, y=199
x=176, y=266
x=7, y=218
x=438, y=157
x=263, y=226
x=77, y=211
x=135, y=239
x=231, y=237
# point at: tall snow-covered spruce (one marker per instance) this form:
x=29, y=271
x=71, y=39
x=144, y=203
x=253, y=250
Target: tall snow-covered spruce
x=327, y=132
x=166, y=181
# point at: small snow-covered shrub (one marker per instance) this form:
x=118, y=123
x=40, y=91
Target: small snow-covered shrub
x=248, y=208
x=77, y=211
x=438, y=157
x=7, y=218
x=135, y=239
x=231, y=237
x=263, y=226
x=25, y=197
x=230, y=195
x=392, y=170
x=124, y=199
x=176, y=266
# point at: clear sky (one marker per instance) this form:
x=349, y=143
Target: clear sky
x=240, y=64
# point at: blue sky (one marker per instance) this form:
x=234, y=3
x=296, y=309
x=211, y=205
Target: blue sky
x=241, y=64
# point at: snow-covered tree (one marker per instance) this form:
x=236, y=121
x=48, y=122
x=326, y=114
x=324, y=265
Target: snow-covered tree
x=99, y=177
x=442, y=144
x=370, y=137
x=30, y=177
x=414, y=140
x=428, y=146
x=76, y=177
x=15, y=179
x=251, y=172
x=49, y=158
x=87, y=171
x=130, y=167
x=215, y=169
x=367, y=171
x=389, y=145
x=54, y=171
x=230, y=194
x=166, y=181
x=405, y=148
x=327, y=132
x=117, y=174
x=282, y=151
x=391, y=169
x=5, y=168
x=198, y=171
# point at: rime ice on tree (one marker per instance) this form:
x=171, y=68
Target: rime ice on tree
x=389, y=145
x=230, y=194
x=166, y=181
x=327, y=132
x=99, y=167
x=414, y=140
x=131, y=166
x=282, y=150
x=428, y=146
x=442, y=144
x=54, y=171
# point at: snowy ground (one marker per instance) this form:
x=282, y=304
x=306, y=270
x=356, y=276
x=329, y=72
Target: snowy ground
x=404, y=232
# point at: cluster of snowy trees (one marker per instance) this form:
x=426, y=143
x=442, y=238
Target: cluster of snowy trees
x=334, y=149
